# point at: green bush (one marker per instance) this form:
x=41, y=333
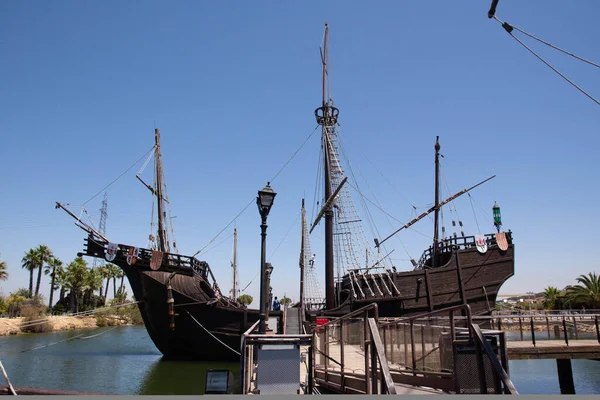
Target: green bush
x=59, y=309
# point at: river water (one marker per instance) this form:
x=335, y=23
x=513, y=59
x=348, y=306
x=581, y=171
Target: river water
x=123, y=360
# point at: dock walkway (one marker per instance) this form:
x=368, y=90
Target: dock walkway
x=557, y=349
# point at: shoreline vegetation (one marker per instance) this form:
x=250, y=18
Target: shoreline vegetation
x=121, y=316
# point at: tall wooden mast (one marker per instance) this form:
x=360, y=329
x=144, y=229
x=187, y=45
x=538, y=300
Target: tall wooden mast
x=327, y=117
x=436, y=204
x=303, y=227
x=234, y=289
x=163, y=240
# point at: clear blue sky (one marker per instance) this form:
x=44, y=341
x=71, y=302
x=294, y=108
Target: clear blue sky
x=233, y=85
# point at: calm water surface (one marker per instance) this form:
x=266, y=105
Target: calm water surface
x=123, y=360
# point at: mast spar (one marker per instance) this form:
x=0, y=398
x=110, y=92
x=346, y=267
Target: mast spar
x=436, y=214
x=234, y=290
x=327, y=117
x=163, y=240
x=302, y=255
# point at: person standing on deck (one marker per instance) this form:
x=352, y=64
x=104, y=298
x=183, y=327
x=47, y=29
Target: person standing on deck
x=276, y=306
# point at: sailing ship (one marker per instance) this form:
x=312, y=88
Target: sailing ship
x=184, y=311
x=453, y=270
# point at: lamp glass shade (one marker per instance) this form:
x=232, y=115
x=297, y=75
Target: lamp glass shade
x=265, y=199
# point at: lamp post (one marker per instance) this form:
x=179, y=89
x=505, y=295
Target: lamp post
x=269, y=289
x=264, y=200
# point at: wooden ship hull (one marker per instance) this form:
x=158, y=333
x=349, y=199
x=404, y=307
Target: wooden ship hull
x=201, y=325
x=465, y=276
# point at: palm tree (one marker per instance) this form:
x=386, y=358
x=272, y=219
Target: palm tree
x=103, y=271
x=111, y=269
x=30, y=263
x=44, y=255
x=75, y=280
x=61, y=279
x=551, y=295
x=122, y=276
x=93, y=282
x=3, y=271
x=51, y=267
x=587, y=292
x=114, y=274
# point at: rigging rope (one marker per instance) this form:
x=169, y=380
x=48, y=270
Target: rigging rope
x=318, y=185
x=389, y=182
x=553, y=46
x=218, y=244
x=386, y=213
x=98, y=334
x=370, y=220
x=68, y=339
x=119, y=177
x=51, y=344
x=508, y=28
x=285, y=236
x=251, y=280
x=223, y=230
x=254, y=198
x=475, y=215
x=452, y=203
x=294, y=155
x=207, y=331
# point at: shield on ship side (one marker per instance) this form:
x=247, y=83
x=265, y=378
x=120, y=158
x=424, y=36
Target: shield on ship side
x=481, y=243
x=502, y=241
x=156, y=260
x=111, y=251
x=132, y=255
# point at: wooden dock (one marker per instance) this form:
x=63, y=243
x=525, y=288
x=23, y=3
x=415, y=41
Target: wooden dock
x=556, y=349
x=354, y=377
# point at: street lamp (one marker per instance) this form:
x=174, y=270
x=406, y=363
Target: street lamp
x=264, y=201
x=269, y=297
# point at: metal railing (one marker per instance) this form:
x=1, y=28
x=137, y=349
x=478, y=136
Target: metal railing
x=499, y=370
x=450, y=244
x=248, y=357
x=420, y=349
x=349, y=354
x=555, y=326
x=441, y=350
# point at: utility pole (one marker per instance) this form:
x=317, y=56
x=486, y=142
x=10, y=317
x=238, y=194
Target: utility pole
x=98, y=262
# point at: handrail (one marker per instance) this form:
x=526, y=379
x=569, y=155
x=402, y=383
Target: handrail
x=380, y=351
x=251, y=328
x=361, y=310
x=588, y=320
x=509, y=387
x=507, y=316
x=431, y=313
x=243, y=356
